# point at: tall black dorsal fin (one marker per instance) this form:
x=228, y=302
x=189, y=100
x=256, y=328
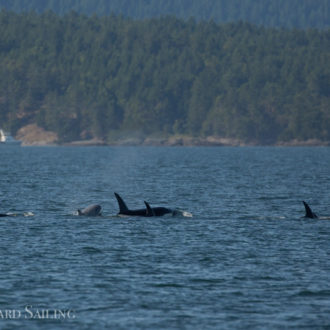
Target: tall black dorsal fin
x=309, y=212
x=150, y=212
x=122, y=206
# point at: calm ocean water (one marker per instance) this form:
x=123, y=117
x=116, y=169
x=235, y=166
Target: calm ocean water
x=245, y=260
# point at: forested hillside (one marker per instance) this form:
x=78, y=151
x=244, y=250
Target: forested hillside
x=93, y=77
x=274, y=13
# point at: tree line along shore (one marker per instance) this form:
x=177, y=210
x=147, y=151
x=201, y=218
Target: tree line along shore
x=105, y=78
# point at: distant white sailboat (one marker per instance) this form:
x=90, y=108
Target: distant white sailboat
x=7, y=139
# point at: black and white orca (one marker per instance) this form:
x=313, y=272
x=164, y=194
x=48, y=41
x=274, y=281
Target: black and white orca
x=25, y=214
x=147, y=212
x=157, y=211
x=309, y=213
x=91, y=211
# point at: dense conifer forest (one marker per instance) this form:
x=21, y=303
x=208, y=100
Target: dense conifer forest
x=90, y=76
x=273, y=13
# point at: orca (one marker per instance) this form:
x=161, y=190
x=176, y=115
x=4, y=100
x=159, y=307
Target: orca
x=157, y=211
x=309, y=213
x=90, y=211
x=147, y=212
x=25, y=214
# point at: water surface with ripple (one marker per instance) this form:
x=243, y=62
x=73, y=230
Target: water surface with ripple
x=246, y=259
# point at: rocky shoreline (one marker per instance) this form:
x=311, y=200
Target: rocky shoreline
x=192, y=141
x=32, y=135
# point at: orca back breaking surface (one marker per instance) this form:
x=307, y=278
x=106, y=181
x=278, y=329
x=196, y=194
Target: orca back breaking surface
x=309, y=213
x=157, y=211
x=124, y=210
x=91, y=210
x=122, y=205
x=147, y=212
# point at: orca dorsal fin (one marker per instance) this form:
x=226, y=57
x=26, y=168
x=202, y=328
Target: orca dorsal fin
x=150, y=212
x=79, y=212
x=122, y=206
x=309, y=212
